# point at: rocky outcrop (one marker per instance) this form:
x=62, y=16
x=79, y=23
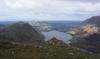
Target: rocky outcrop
x=56, y=42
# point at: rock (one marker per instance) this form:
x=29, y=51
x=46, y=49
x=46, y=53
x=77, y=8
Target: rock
x=57, y=43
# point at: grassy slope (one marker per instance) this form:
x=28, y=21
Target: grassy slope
x=41, y=51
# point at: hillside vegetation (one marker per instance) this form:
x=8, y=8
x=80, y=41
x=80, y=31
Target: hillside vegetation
x=40, y=51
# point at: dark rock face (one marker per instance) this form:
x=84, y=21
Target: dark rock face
x=20, y=32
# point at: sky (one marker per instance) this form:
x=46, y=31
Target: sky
x=48, y=10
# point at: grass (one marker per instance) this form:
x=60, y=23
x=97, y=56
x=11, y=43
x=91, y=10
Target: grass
x=41, y=51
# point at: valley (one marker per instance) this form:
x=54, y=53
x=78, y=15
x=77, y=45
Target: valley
x=49, y=29
x=63, y=26
x=42, y=40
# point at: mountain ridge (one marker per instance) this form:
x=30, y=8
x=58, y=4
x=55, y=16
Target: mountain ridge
x=88, y=27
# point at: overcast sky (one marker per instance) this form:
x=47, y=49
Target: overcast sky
x=72, y=10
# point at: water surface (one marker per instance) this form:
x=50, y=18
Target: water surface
x=59, y=35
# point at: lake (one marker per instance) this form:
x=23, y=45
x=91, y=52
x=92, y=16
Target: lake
x=64, y=37
x=59, y=35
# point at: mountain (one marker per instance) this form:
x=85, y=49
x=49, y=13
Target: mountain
x=93, y=20
x=88, y=27
x=89, y=31
x=56, y=42
x=21, y=32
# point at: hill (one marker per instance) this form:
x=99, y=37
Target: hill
x=89, y=31
x=88, y=27
x=93, y=20
x=20, y=32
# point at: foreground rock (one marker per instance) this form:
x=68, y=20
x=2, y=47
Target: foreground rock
x=57, y=43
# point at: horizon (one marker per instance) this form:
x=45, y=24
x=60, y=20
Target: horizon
x=41, y=20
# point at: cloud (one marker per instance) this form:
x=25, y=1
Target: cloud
x=93, y=1
x=52, y=9
x=22, y=3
